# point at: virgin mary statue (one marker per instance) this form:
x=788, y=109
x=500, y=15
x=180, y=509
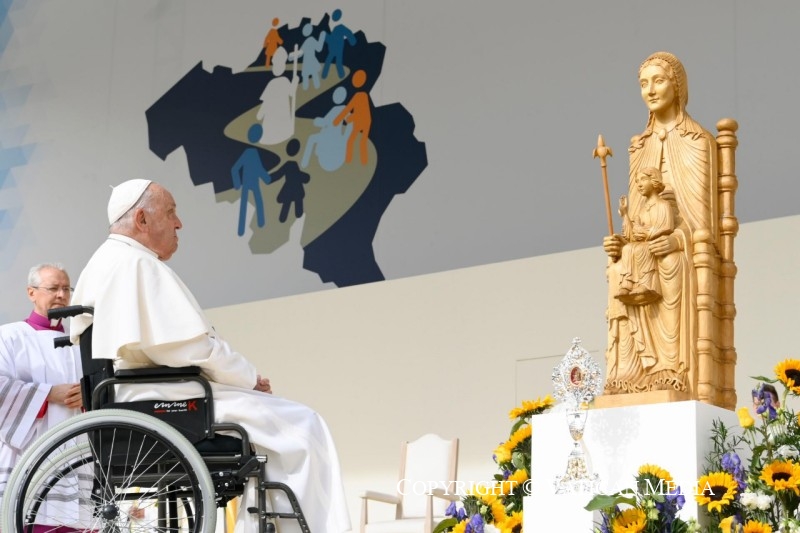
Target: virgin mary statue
x=652, y=345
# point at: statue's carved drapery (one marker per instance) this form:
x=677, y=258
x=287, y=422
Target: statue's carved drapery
x=683, y=341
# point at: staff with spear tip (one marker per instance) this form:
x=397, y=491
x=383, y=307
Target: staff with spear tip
x=602, y=151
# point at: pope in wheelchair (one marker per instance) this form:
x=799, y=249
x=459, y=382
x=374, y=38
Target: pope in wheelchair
x=138, y=313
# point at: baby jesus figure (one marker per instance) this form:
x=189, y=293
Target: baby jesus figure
x=639, y=282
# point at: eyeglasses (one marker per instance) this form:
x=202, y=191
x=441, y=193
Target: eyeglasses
x=54, y=290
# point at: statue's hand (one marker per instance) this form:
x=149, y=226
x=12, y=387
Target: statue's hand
x=664, y=245
x=613, y=244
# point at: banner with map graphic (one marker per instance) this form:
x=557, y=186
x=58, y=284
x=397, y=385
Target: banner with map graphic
x=379, y=141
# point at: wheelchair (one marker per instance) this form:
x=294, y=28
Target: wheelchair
x=138, y=467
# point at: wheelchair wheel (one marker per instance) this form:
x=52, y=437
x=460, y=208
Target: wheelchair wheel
x=111, y=471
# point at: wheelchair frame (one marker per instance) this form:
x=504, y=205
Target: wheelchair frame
x=117, y=455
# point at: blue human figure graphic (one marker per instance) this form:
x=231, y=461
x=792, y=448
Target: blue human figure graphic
x=246, y=173
x=294, y=179
x=335, y=41
x=308, y=50
x=330, y=142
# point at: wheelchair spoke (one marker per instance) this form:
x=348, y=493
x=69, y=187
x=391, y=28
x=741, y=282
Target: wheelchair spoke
x=114, y=476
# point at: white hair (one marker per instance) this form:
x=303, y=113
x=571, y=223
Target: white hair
x=34, y=274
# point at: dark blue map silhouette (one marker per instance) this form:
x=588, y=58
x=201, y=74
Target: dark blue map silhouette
x=194, y=113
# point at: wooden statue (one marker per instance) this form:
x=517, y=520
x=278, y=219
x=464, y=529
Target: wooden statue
x=671, y=270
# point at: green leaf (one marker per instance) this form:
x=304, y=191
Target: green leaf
x=603, y=501
x=764, y=379
x=445, y=525
x=518, y=424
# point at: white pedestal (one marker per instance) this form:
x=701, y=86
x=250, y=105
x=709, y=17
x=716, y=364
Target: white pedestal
x=674, y=436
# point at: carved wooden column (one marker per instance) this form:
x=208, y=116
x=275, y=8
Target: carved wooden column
x=729, y=228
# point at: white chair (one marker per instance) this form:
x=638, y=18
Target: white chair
x=428, y=463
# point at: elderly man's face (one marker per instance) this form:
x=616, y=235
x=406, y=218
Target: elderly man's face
x=163, y=224
x=53, y=291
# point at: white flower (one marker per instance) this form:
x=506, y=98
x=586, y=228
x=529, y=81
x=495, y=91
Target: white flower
x=489, y=528
x=787, y=451
x=763, y=501
x=749, y=499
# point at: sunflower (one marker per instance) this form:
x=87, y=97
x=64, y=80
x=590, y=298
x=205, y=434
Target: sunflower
x=631, y=520
x=512, y=524
x=461, y=527
x=654, y=471
x=498, y=512
x=716, y=490
x=788, y=372
x=515, y=482
x=530, y=408
x=754, y=526
x=782, y=475
x=518, y=436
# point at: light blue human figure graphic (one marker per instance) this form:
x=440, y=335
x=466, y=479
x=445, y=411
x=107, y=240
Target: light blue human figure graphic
x=308, y=50
x=330, y=142
x=246, y=173
x=335, y=41
x=278, y=101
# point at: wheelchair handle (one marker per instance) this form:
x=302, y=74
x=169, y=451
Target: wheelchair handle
x=68, y=311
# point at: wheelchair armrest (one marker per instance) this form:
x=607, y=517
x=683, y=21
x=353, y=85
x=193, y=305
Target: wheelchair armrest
x=157, y=371
x=68, y=311
x=137, y=376
x=62, y=342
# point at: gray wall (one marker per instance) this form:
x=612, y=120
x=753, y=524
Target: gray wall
x=509, y=101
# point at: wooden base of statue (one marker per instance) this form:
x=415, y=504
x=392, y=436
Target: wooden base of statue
x=639, y=398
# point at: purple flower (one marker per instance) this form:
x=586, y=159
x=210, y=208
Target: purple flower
x=475, y=524
x=676, y=498
x=733, y=465
x=457, y=513
x=668, y=509
x=764, y=401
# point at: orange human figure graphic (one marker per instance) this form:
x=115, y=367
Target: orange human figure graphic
x=271, y=42
x=357, y=112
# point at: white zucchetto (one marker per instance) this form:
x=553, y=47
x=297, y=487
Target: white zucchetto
x=123, y=196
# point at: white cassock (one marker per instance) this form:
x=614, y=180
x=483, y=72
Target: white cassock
x=29, y=366
x=144, y=316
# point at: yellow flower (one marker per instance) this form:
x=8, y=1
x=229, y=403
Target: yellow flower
x=531, y=407
x=512, y=524
x=745, y=420
x=788, y=372
x=519, y=435
x=782, y=475
x=716, y=490
x=629, y=521
x=498, y=512
x=502, y=454
x=515, y=482
x=656, y=471
x=461, y=527
x=726, y=524
x=757, y=527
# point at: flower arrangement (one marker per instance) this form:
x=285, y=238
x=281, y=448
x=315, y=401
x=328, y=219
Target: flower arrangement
x=751, y=482
x=652, y=507
x=497, y=507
